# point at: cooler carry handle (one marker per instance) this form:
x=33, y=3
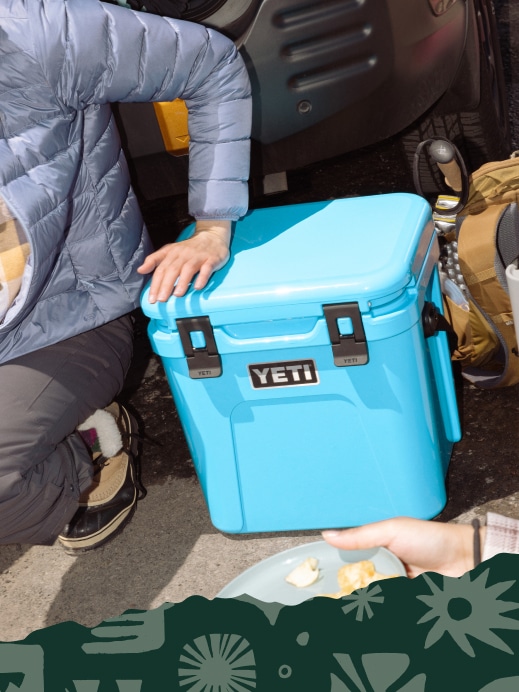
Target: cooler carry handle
x=436, y=328
x=349, y=348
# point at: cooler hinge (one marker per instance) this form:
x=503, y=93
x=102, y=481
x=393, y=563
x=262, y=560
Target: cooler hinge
x=347, y=335
x=197, y=338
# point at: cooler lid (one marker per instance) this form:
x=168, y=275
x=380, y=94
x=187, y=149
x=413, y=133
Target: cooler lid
x=289, y=260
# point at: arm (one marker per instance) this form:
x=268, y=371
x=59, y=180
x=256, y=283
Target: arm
x=114, y=54
x=421, y=545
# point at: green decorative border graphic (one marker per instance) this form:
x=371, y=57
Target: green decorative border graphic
x=399, y=635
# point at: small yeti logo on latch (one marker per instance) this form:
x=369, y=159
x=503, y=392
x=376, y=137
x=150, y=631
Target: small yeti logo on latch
x=283, y=374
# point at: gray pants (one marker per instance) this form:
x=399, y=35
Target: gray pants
x=44, y=464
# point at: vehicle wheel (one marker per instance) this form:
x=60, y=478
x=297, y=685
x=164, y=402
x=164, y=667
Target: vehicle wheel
x=481, y=134
x=198, y=10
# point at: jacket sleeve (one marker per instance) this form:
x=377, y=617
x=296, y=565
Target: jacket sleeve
x=107, y=54
x=502, y=535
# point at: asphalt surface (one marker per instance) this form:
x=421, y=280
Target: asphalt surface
x=170, y=550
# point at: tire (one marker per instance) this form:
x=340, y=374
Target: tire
x=481, y=134
x=198, y=10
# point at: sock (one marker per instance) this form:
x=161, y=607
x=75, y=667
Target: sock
x=101, y=433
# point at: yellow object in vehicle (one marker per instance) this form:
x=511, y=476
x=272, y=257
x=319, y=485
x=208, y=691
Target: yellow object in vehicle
x=172, y=119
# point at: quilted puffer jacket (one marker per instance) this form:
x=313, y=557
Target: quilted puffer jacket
x=62, y=171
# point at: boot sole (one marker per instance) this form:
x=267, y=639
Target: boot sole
x=75, y=546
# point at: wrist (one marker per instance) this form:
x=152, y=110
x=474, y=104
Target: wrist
x=479, y=544
x=220, y=228
x=483, y=535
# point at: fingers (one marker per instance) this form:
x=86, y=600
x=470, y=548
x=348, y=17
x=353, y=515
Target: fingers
x=421, y=545
x=362, y=537
x=186, y=275
x=171, y=278
x=384, y=534
x=203, y=276
x=175, y=265
x=148, y=265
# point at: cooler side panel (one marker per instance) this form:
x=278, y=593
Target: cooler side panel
x=208, y=436
x=328, y=459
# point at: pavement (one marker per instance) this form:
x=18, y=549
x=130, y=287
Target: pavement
x=170, y=550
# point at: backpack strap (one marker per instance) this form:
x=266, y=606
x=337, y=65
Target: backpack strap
x=477, y=253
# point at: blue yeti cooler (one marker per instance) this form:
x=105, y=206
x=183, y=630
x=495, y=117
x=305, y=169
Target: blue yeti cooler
x=312, y=387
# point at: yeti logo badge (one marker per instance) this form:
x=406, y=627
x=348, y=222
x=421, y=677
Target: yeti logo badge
x=287, y=373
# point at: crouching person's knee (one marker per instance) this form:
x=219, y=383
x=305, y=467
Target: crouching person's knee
x=36, y=504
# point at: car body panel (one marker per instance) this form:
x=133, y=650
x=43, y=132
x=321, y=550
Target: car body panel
x=333, y=76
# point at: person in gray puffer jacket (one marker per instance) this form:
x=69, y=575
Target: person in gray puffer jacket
x=74, y=251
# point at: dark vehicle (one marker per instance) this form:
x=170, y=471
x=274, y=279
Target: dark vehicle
x=334, y=76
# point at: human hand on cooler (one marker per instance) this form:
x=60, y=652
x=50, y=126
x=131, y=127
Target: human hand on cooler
x=174, y=265
x=423, y=546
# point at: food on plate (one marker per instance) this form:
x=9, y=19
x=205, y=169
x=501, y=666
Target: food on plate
x=353, y=576
x=357, y=575
x=304, y=574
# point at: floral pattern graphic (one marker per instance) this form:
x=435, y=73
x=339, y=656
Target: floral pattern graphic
x=374, y=672
x=362, y=600
x=218, y=663
x=399, y=635
x=468, y=608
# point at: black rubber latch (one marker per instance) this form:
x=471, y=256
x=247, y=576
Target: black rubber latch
x=348, y=349
x=204, y=361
